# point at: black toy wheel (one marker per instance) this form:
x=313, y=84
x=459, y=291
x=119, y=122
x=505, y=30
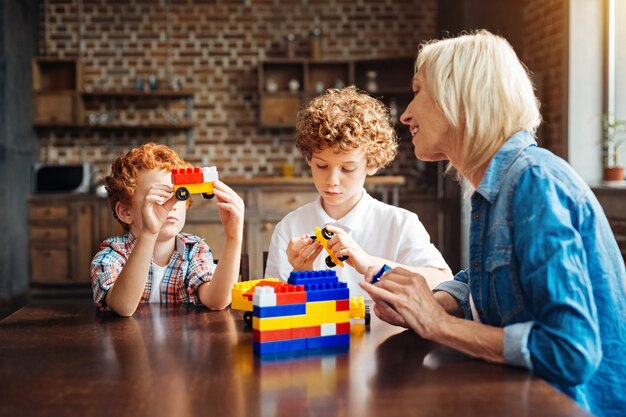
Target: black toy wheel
x=208, y=196
x=330, y=263
x=182, y=193
x=342, y=258
x=247, y=318
x=326, y=234
x=368, y=316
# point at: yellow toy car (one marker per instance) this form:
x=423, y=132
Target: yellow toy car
x=323, y=236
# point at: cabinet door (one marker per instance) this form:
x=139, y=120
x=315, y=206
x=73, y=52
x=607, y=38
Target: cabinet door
x=50, y=265
x=212, y=233
x=83, y=240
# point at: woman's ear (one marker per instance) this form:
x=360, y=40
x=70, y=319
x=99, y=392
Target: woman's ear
x=123, y=213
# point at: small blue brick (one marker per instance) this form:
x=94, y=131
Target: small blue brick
x=312, y=277
x=337, y=291
x=323, y=342
x=279, y=311
x=278, y=346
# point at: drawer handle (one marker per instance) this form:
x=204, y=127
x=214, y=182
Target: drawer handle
x=267, y=227
x=294, y=200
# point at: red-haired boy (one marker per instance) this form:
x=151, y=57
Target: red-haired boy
x=155, y=261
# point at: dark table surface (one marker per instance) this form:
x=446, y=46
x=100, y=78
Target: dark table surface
x=66, y=359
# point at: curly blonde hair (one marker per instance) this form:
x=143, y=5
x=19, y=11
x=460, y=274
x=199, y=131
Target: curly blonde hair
x=122, y=182
x=346, y=119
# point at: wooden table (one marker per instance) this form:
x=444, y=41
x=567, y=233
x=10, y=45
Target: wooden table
x=69, y=360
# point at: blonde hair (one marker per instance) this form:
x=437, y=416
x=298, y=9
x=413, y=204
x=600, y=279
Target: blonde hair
x=346, y=119
x=122, y=183
x=483, y=90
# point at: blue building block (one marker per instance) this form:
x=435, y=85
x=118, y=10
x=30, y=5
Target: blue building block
x=279, y=346
x=279, y=311
x=325, y=292
x=323, y=342
x=312, y=277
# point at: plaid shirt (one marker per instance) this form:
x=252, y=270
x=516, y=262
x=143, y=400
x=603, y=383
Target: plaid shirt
x=190, y=265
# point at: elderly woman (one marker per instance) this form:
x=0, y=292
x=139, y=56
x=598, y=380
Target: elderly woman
x=546, y=285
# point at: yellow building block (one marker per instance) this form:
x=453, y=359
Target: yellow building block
x=239, y=302
x=357, y=307
x=321, y=307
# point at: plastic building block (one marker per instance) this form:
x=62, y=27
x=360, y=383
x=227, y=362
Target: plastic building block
x=314, y=312
x=323, y=236
x=357, y=308
x=328, y=341
x=328, y=329
x=189, y=181
x=343, y=305
x=241, y=292
x=264, y=296
x=279, y=310
x=380, y=273
x=312, y=277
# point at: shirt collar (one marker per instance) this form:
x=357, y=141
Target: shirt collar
x=351, y=220
x=501, y=162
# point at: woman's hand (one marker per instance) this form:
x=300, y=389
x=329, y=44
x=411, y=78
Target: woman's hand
x=231, y=208
x=403, y=298
x=342, y=244
x=155, y=207
x=302, y=252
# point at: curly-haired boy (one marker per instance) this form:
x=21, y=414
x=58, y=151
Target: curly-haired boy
x=346, y=135
x=154, y=261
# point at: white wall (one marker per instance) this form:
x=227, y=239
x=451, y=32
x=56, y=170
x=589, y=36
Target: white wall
x=620, y=66
x=585, y=89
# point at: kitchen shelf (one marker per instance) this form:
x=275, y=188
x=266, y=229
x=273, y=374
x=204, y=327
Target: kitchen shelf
x=60, y=102
x=285, y=85
x=116, y=126
x=133, y=93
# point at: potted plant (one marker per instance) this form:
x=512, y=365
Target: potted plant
x=613, y=137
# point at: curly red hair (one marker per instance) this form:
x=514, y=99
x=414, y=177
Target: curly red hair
x=346, y=119
x=122, y=182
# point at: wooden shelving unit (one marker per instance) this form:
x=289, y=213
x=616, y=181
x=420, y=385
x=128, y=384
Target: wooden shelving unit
x=60, y=102
x=280, y=100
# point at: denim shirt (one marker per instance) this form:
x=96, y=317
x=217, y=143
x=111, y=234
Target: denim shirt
x=545, y=266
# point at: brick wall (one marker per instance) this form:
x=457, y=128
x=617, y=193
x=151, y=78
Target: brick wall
x=214, y=47
x=545, y=55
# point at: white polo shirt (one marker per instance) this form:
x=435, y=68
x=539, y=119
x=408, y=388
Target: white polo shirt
x=381, y=230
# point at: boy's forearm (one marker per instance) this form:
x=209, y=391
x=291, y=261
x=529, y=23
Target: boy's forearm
x=216, y=294
x=125, y=294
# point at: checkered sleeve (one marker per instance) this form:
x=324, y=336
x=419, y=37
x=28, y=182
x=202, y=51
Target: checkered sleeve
x=201, y=269
x=106, y=266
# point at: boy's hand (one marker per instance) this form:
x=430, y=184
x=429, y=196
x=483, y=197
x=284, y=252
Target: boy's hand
x=231, y=208
x=155, y=207
x=302, y=252
x=343, y=245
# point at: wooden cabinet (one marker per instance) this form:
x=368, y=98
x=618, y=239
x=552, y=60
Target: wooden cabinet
x=64, y=234
x=56, y=91
x=286, y=85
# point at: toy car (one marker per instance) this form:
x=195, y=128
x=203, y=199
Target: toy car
x=323, y=236
x=189, y=181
